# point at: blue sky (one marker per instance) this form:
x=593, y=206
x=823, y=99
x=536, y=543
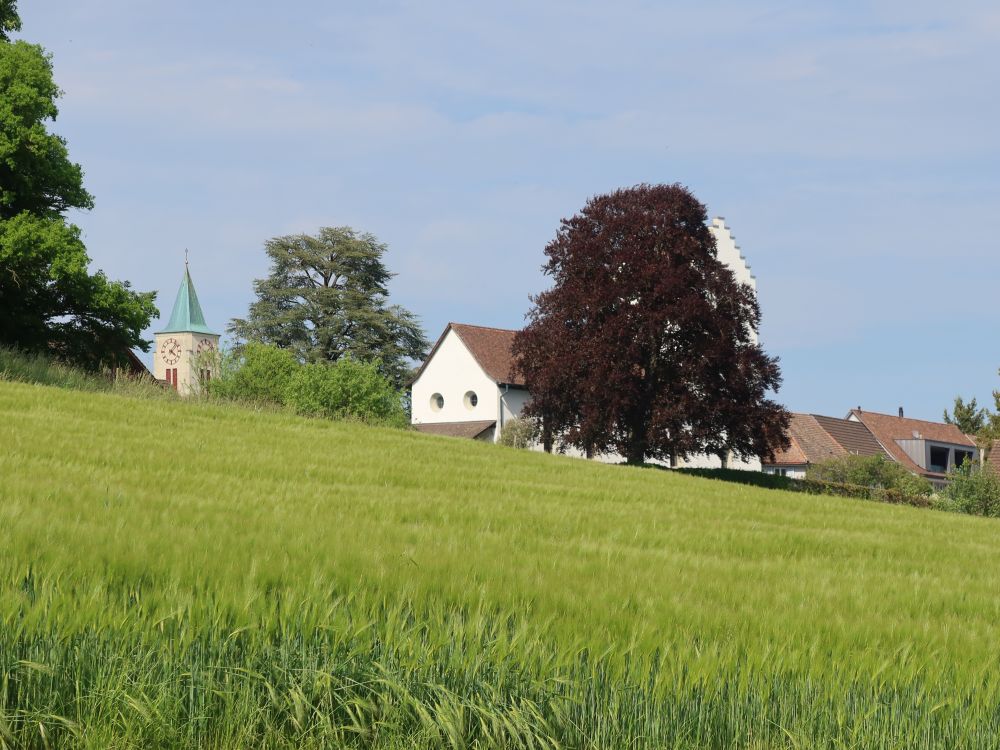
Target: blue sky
x=852, y=147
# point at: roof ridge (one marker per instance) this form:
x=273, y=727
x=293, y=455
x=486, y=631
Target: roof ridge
x=896, y=416
x=487, y=328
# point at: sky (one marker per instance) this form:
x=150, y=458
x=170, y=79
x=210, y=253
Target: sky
x=852, y=148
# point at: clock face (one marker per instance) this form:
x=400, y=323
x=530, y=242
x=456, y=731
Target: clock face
x=205, y=345
x=171, y=351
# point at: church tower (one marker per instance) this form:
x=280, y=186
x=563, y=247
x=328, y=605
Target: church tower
x=183, y=355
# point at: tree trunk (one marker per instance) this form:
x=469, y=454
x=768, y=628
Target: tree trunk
x=635, y=454
x=546, y=436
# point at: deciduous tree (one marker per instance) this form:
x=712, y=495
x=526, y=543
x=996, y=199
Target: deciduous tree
x=49, y=301
x=645, y=344
x=326, y=297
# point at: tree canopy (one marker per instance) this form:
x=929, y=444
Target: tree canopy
x=9, y=19
x=36, y=174
x=646, y=344
x=49, y=301
x=967, y=416
x=326, y=297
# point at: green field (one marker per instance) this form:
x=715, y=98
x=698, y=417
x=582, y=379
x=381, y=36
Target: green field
x=193, y=575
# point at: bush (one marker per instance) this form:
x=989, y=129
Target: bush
x=875, y=472
x=972, y=490
x=519, y=432
x=259, y=373
x=348, y=388
x=812, y=486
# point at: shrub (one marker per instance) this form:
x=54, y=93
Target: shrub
x=519, y=432
x=972, y=490
x=875, y=472
x=812, y=486
x=347, y=388
x=259, y=373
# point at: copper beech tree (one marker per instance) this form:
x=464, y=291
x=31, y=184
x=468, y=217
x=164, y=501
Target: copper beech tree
x=646, y=343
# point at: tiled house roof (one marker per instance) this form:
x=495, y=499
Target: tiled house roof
x=814, y=438
x=490, y=347
x=469, y=430
x=992, y=462
x=887, y=429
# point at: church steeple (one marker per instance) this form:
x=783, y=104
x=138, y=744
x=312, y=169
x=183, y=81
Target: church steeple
x=187, y=315
x=186, y=354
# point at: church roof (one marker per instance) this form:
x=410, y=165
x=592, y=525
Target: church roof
x=490, y=347
x=187, y=315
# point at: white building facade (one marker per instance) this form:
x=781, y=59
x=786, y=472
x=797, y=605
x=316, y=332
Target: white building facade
x=468, y=386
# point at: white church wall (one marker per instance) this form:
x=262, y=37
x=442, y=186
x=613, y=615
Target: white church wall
x=729, y=253
x=453, y=373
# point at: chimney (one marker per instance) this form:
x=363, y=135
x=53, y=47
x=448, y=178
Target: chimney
x=900, y=412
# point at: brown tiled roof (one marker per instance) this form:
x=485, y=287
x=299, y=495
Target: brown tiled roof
x=993, y=458
x=456, y=429
x=887, y=429
x=814, y=438
x=853, y=437
x=490, y=347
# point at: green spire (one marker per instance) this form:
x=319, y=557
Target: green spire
x=187, y=315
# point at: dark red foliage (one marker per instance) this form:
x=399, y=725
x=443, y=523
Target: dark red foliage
x=645, y=344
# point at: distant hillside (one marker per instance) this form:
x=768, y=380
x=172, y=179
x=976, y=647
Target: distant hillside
x=177, y=574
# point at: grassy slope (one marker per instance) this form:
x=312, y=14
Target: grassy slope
x=200, y=510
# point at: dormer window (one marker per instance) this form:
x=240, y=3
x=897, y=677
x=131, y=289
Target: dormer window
x=938, y=459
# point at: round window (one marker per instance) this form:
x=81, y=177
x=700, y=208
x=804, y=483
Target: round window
x=437, y=402
x=471, y=399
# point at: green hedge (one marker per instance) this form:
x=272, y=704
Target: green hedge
x=811, y=486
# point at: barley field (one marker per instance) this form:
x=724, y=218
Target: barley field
x=189, y=575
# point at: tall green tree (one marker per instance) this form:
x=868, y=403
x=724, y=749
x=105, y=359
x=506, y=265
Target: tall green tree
x=967, y=416
x=326, y=297
x=9, y=19
x=49, y=301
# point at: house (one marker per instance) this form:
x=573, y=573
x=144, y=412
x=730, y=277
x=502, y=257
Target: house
x=179, y=358
x=813, y=439
x=469, y=385
x=928, y=449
